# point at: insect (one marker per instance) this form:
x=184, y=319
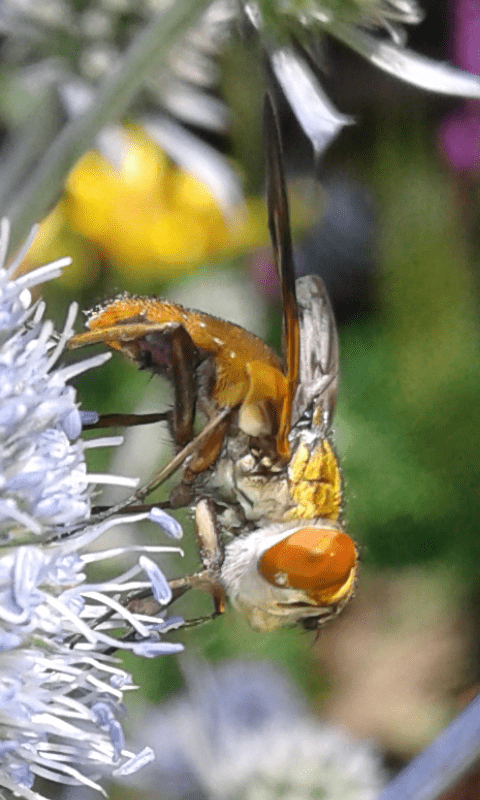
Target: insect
x=262, y=472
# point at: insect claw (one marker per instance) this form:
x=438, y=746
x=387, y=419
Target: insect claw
x=197, y=621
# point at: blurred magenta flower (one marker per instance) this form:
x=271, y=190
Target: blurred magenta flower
x=460, y=131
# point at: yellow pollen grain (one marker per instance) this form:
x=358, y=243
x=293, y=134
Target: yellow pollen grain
x=314, y=482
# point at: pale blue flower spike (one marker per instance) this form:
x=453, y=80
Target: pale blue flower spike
x=107, y=722
x=151, y=648
x=117, y=738
x=72, y=424
x=120, y=680
x=160, y=588
x=7, y=642
x=48, y=612
x=169, y=524
x=170, y=624
x=89, y=417
x=39, y=420
x=144, y=757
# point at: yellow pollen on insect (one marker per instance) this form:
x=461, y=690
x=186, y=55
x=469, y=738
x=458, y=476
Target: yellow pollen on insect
x=315, y=483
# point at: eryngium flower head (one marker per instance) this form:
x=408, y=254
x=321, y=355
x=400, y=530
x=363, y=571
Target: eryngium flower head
x=61, y=688
x=242, y=732
x=43, y=478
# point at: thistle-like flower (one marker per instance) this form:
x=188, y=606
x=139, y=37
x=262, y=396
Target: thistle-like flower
x=61, y=687
x=290, y=32
x=240, y=731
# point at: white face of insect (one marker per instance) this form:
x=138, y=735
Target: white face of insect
x=285, y=574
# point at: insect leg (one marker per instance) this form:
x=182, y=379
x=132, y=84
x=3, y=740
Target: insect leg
x=207, y=579
x=178, y=460
x=184, y=361
x=211, y=550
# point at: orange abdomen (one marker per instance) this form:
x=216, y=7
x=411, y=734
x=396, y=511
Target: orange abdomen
x=248, y=372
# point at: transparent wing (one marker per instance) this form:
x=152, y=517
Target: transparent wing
x=279, y=226
x=316, y=393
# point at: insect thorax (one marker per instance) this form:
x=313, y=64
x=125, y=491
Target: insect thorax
x=252, y=488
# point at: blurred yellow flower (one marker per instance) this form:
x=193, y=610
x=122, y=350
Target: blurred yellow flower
x=149, y=214
x=146, y=217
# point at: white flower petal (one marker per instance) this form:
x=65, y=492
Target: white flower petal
x=406, y=65
x=198, y=158
x=316, y=114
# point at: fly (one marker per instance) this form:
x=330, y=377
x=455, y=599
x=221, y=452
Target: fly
x=262, y=473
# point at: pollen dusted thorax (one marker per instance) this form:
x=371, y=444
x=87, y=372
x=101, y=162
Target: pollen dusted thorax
x=257, y=491
x=315, y=483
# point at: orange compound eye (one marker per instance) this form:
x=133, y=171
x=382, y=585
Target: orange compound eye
x=318, y=560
